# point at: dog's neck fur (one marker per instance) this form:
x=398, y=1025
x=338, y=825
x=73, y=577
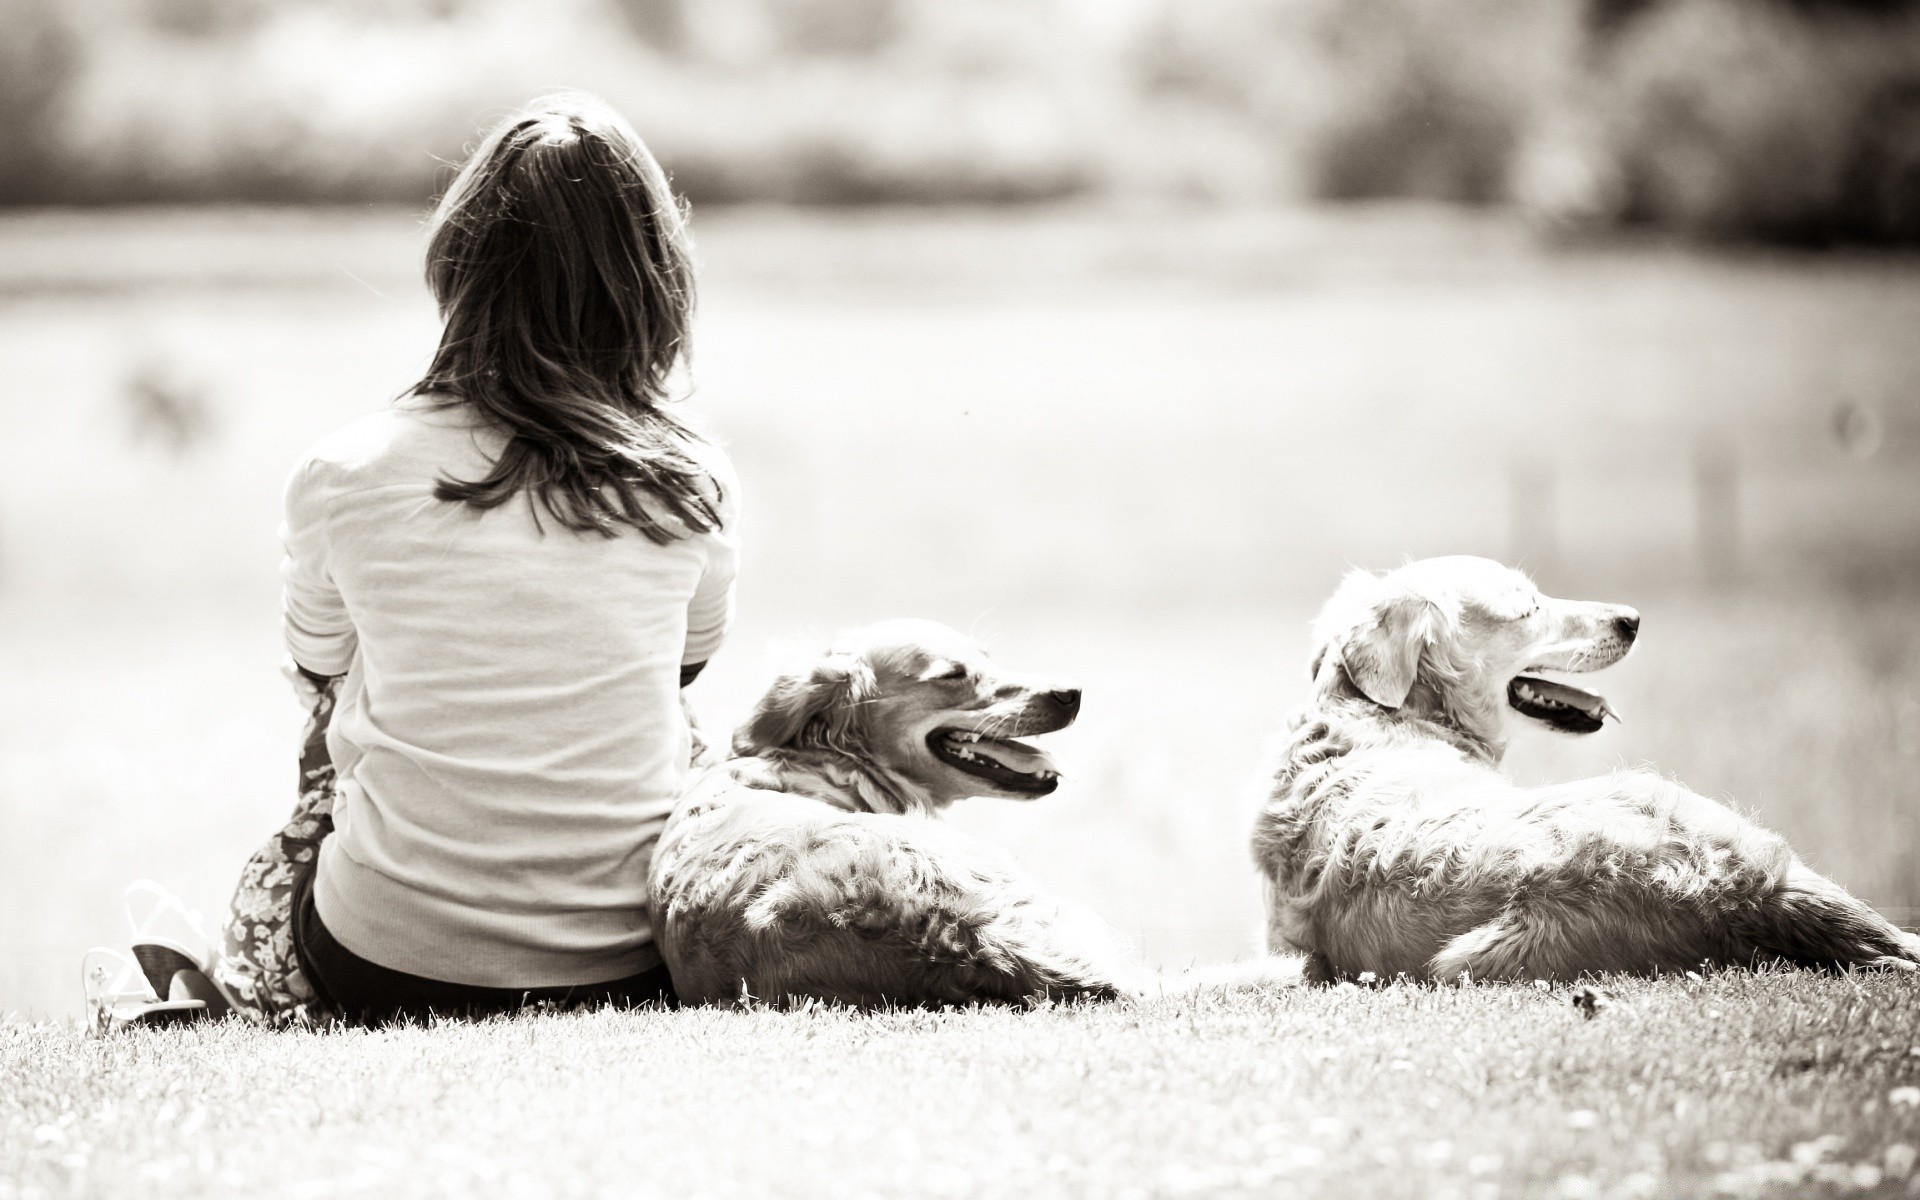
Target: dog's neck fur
x=841, y=781
x=1341, y=720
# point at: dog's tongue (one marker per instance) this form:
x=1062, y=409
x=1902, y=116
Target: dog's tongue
x=1015, y=756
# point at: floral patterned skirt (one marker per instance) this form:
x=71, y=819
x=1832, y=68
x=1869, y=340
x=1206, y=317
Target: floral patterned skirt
x=257, y=967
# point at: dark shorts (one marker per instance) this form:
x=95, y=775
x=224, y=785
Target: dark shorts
x=366, y=993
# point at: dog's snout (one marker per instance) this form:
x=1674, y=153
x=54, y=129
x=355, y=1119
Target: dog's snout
x=1628, y=624
x=1066, y=698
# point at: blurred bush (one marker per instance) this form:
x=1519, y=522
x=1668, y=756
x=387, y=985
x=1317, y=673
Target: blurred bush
x=1361, y=99
x=1715, y=117
x=1725, y=118
x=833, y=101
x=1729, y=117
x=37, y=59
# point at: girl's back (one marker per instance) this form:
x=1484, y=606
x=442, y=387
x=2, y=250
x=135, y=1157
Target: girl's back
x=509, y=736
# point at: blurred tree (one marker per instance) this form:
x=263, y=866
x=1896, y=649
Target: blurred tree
x=389, y=11
x=1735, y=118
x=661, y=24
x=38, y=55
x=1371, y=98
x=201, y=18
x=1607, y=17
x=1883, y=182
x=856, y=28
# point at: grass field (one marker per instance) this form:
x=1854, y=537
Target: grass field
x=1127, y=448
x=1738, y=1085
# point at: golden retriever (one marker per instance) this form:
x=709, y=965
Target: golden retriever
x=1391, y=843
x=811, y=863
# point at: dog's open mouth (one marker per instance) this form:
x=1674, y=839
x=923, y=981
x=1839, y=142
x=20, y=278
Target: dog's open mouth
x=1561, y=705
x=1008, y=765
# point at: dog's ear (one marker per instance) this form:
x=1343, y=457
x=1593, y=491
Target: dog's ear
x=1382, y=653
x=824, y=707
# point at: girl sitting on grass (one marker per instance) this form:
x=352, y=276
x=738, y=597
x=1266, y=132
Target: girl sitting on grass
x=495, y=590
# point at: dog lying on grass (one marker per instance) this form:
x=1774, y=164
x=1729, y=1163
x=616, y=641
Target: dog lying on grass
x=1391, y=843
x=810, y=864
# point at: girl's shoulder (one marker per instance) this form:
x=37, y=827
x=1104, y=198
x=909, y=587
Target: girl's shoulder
x=412, y=440
x=726, y=481
x=721, y=485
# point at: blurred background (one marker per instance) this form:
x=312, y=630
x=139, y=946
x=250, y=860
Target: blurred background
x=1109, y=330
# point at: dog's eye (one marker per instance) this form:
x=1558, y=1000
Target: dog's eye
x=946, y=671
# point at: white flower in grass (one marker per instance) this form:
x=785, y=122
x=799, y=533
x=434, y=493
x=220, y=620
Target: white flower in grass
x=1904, y=1097
x=1818, y=1150
x=1582, y=1118
x=1327, y=1127
x=1185, y=1179
x=1575, y=1187
x=1836, y=1175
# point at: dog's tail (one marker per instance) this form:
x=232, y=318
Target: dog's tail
x=1812, y=921
x=1809, y=921
x=1494, y=950
x=1032, y=950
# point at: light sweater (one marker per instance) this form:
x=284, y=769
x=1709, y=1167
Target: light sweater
x=509, y=737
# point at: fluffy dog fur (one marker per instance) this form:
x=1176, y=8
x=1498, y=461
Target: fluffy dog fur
x=1392, y=844
x=811, y=865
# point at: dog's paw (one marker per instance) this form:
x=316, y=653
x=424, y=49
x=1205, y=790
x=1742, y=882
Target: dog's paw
x=1889, y=963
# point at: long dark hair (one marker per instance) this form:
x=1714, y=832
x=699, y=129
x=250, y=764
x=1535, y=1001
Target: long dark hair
x=563, y=270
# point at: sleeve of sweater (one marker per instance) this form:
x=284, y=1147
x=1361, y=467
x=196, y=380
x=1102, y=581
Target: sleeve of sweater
x=711, y=610
x=319, y=633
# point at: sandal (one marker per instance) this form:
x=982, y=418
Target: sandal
x=118, y=996
x=169, y=942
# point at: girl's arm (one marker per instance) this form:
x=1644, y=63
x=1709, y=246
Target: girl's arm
x=318, y=630
x=710, y=611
